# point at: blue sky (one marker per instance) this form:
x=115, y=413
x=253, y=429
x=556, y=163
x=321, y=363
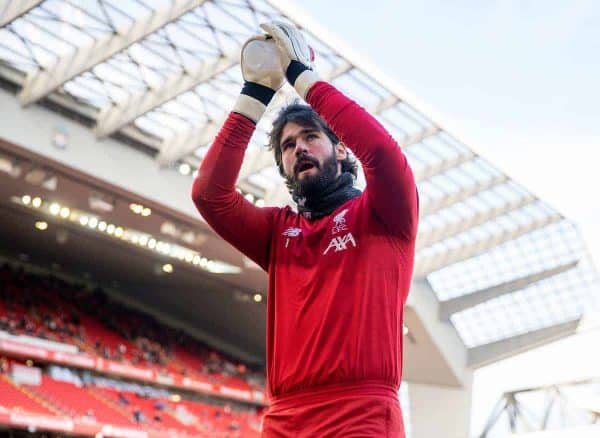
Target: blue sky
x=519, y=81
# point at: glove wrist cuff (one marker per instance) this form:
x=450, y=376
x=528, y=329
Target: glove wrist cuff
x=305, y=81
x=301, y=77
x=259, y=92
x=253, y=100
x=294, y=69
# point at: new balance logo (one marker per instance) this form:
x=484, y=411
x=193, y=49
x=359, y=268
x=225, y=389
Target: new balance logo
x=340, y=243
x=292, y=232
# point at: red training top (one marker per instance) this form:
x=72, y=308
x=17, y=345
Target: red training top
x=337, y=284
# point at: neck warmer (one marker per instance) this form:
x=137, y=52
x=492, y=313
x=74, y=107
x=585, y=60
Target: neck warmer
x=338, y=192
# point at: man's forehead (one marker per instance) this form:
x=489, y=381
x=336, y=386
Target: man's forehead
x=294, y=128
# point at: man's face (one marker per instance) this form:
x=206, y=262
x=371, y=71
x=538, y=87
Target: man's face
x=309, y=158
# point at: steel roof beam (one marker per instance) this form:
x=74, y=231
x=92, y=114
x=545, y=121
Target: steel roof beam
x=461, y=195
x=418, y=137
x=14, y=9
x=460, y=226
x=426, y=265
x=42, y=82
x=463, y=302
x=171, y=150
x=114, y=117
x=385, y=104
x=442, y=166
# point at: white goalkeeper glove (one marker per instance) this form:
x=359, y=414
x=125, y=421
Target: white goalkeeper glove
x=263, y=76
x=296, y=55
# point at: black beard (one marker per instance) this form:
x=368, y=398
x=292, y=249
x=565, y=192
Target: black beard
x=312, y=186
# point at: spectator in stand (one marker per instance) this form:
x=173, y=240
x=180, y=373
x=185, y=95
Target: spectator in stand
x=122, y=399
x=138, y=415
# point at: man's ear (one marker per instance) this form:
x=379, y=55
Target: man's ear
x=340, y=151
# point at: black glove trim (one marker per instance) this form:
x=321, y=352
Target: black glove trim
x=259, y=92
x=295, y=69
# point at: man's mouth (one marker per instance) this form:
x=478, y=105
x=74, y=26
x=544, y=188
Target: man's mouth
x=304, y=166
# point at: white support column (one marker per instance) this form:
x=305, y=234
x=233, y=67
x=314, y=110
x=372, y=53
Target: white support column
x=438, y=356
x=42, y=82
x=440, y=411
x=112, y=118
x=14, y=9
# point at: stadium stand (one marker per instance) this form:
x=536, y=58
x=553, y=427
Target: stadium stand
x=49, y=308
x=38, y=310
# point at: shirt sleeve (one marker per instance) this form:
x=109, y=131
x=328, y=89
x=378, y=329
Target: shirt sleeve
x=391, y=190
x=239, y=222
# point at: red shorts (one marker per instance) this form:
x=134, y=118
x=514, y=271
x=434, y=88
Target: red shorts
x=349, y=411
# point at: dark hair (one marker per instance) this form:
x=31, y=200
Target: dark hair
x=304, y=115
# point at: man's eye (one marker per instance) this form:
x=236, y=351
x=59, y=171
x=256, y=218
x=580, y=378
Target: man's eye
x=312, y=136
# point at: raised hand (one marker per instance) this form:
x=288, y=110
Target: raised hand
x=263, y=74
x=296, y=55
x=261, y=62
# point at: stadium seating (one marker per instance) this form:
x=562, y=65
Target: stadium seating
x=43, y=307
x=78, y=402
x=94, y=324
x=12, y=395
x=95, y=404
x=154, y=412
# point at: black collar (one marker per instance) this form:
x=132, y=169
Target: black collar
x=340, y=191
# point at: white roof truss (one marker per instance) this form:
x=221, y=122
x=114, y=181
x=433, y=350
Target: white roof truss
x=113, y=118
x=42, y=82
x=14, y=9
x=463, y=302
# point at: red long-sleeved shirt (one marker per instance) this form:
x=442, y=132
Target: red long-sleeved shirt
x=338, y=284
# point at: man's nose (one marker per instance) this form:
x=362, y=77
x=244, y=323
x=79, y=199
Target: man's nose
x=301, y=147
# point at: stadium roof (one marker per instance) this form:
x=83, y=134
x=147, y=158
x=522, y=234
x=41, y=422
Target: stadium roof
x=161, y=75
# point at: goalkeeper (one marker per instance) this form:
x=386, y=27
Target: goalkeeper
x=339, y=269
